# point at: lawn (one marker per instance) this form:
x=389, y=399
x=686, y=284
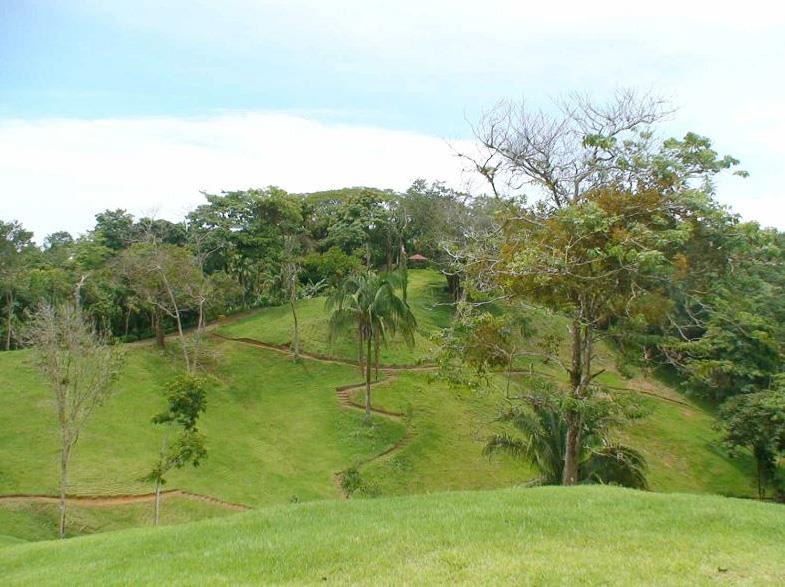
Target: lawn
x=427, y=298
x=276, y=431
x=551, y=536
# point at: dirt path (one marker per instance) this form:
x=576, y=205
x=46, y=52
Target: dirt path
x=343, y=392
x=115, y=500
x=285, y=349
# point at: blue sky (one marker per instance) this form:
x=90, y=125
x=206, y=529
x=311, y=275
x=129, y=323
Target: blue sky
x=134, y=104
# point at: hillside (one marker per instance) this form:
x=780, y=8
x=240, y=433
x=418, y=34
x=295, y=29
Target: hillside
x=584, y=535
x=280, y=431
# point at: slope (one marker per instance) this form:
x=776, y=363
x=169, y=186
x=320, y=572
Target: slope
x=582, y=535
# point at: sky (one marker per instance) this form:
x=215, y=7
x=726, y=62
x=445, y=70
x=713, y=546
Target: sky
x=144, y=104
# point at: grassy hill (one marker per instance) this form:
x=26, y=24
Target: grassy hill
x=277, y=430
x=583, y=535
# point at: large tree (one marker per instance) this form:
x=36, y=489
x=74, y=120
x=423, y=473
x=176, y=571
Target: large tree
x=169, y=281
x=606, y=256
x=613, y=210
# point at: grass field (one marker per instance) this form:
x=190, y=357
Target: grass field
x=427, y=299
x=277, y=431
x=543, y=536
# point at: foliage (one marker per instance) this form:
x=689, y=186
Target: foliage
x=331, y=266
x=186, y=401
x=368, y=307
x=756, y=422
x=541, y=425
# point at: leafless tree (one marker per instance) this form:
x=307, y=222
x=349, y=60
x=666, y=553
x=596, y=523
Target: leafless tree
x=578, y=146
x=81, y=366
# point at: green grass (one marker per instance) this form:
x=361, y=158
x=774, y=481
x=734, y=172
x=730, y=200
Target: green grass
x=543, y=536
x=427, y=298
x=274, y=430
x=277, y=433
x=36, y=521
x=445, y=452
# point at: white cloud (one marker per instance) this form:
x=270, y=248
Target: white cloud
x=57, y=174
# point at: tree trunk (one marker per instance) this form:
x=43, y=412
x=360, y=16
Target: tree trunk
x=198, y=335
x=404, y=269
x=573, y=419
x=509, y=373
x=127, y=321
x=158, y=326
x=9, y=300
x=159, y=478
x=572, y=449
x=181, y=334
x=761, y=493
x=65, y=454
x=176, y=314
x=157, y=501
x=296, y=333
x=360, y=350
x=376, y=353
x=368, y=381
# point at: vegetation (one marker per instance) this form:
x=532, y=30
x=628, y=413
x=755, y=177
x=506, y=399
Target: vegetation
x=756, y=422
x=601, y=535
x=80, y=367
x=621, y=328
x=542, y=433
x=187, y=399
x=369, y=308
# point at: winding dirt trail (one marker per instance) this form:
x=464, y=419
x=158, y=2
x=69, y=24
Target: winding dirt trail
x=115, y=500
x=343, y=392
x=285, y=349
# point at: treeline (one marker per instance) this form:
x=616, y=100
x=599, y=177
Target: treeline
x=142, y=277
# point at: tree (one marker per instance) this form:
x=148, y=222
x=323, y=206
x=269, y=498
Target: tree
x=80, y=365
x=581, y=145
x=167, y=279
x=756, y=421
x=290, y=274
x=369, y=307
x=246, y=231
x=591, y=260
x=332, y=266
x=16, y=251
x=541, y=432
x=187, y=400
x=725, y=330
x=614, y=207
x=484, y=343
x=115, y=229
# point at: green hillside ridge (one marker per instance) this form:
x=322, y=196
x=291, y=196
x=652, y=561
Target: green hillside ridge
x=277, y=431
x=549, y=535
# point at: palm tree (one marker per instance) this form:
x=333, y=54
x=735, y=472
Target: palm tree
x=542, y=432
x=369, y=308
